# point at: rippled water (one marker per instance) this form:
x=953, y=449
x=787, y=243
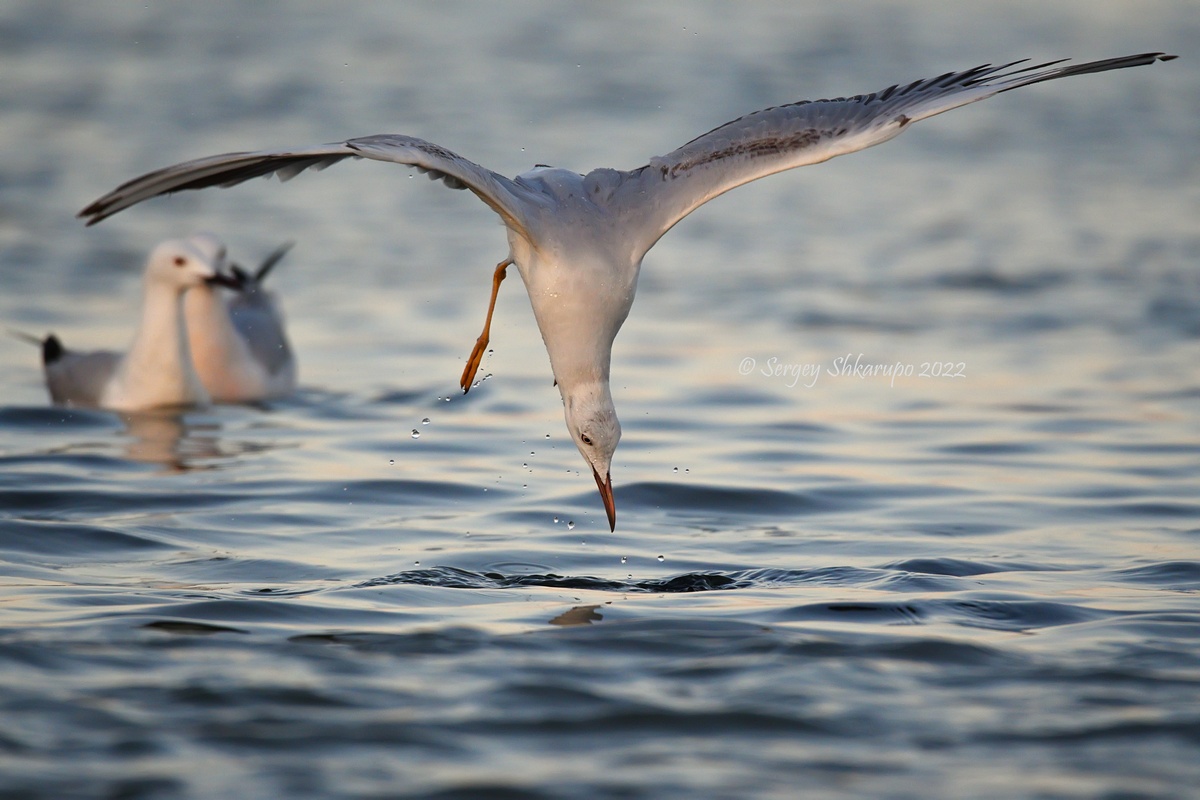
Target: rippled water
x=982, y=584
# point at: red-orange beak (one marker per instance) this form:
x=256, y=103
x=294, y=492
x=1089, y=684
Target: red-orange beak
x=606, y=495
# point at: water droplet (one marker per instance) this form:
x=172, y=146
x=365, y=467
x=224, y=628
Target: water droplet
x=676, y=469
x=416, y=563
x=425, y=421
x=624, y=559
x=662, y=558
x=392, y=461
x=570, y=525
x=583, y=543
x=416, y=434
x=547, y=436
x=556, y=520
x=524, y=466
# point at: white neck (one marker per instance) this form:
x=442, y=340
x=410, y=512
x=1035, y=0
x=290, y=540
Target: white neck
x=157, y=370
x=579, y=307
x=205, y=311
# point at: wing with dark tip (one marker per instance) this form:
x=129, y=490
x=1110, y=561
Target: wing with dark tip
x=77, y=379
x=499, y=193
x=257, y=318
x=656, y=196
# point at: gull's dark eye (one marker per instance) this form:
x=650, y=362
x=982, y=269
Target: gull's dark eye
x=180, y=261
x=586, y=439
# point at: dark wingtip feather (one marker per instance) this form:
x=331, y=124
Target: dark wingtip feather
x=91, y=214
x=270, y=261
x=52, y=349
x=1121, y=62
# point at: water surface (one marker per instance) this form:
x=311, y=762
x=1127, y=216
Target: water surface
x=980, y=581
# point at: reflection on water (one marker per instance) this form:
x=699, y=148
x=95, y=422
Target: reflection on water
x=186, y=440
x=580, y=615
x=164, y=437
x=928, y=587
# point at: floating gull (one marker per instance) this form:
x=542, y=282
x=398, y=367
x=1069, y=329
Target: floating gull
x=157, y=369
x=579, y=240
x=239, y=346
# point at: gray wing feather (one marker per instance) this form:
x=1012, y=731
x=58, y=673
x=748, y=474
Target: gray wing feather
x=78, y=379
x=257, y=317
x=259, y=321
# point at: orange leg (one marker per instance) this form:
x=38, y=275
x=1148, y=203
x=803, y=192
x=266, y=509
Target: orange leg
x=468, y=375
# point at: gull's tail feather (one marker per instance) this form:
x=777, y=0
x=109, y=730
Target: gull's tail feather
x=52, y=349
x=36, y=341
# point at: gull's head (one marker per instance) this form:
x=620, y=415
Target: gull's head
x=592, y=421
x=186, y=263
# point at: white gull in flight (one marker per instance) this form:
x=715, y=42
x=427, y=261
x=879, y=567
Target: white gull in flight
x=578, y=240
x=156, y=371
x=239, y=345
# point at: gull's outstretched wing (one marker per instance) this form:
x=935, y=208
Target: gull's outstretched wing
x=502, y=195
x=670, y=187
